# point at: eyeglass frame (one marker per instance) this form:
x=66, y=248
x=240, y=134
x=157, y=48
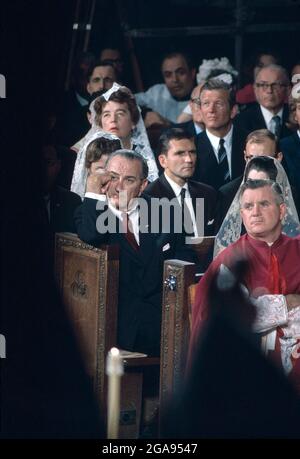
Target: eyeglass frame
x=197, y=101
x=277, y=85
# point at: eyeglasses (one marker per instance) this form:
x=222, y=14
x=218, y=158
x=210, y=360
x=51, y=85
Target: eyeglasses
x=196, y=101
x=273, y=86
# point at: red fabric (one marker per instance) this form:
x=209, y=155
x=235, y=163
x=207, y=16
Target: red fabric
x=272, y=269
x=128, y=232
x=246, y=95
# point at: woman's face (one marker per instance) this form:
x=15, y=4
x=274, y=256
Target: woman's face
x=254, y=174
x=116, y=118
x=98, y=167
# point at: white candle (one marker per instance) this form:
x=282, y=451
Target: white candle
x=114, y=370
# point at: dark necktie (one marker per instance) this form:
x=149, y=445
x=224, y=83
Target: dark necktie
x=276, y=125
x=187, y=223
x=128, y=231
x=223, y=162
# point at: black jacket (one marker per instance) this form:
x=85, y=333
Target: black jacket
x=207, y=168
x=252, y=119
x=140, y=276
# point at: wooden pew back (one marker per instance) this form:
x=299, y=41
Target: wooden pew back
x=87, y=278
x=178, y=277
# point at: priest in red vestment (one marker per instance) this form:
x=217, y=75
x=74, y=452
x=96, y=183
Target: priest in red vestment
x=272, y=279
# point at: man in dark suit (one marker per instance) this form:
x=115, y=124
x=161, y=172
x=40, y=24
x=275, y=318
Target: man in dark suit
x=271, y=89
x=126, y=221
x=177, y=156
x=220, y=146
x=258, y=143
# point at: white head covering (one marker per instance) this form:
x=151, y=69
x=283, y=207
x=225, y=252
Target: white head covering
x=139, y=139
x=80, y=171
x=230, y=230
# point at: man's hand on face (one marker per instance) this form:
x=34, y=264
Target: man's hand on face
x=98, y=183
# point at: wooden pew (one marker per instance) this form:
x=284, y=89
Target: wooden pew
x=178, y=277
x=87, y=278
x=180, y=280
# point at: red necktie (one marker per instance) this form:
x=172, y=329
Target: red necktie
x=128, y=232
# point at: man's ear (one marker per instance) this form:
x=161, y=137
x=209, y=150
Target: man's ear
x=143, y=185
x=279, y=156
x=282, y=208
x=234, y=111
x=162, y=160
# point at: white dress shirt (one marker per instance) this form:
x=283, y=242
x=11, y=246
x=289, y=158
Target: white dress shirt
x=133, y=213
x=177, y=190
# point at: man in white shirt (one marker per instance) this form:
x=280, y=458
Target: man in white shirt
x=169, y=99
x=220, y=146
x=111, y=214
x=177, y=156
x=271, y=88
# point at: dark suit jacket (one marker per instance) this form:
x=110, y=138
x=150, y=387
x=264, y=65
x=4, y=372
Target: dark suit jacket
x=188, y=127
x=161, y=188
x=226, y=195
x=140, y=277
x=62, y=207
x=207, y=168
x=252, y=119
x=290, y=147
x=72, y=123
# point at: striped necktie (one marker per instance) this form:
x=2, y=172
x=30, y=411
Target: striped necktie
x=276, y=125
x=223, y=161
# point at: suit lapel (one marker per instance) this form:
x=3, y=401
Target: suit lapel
x=167, y=189
x=207, y=164
x=237, y=157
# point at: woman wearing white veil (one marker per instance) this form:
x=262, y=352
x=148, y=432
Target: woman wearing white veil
x=134, y=138
x=259, y=167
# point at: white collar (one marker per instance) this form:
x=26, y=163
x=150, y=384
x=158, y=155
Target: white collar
x=198, y=128
x=83, y=102
x=175, y=187
x=269, y=115
x=119, y=213
x=215, y=141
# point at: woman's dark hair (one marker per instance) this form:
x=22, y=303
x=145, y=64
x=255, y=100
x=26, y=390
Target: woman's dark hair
x=99, y=147
x=262, y=164
x=122, y=96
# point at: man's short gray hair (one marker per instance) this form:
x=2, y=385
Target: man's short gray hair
x=255, y=184
x=132, y=156
x=275, y=67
